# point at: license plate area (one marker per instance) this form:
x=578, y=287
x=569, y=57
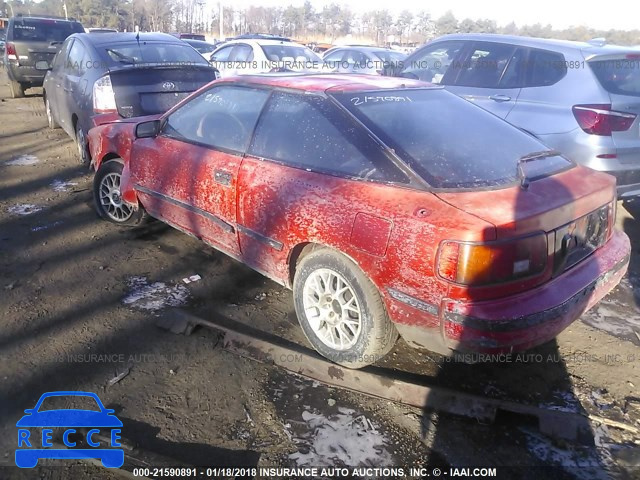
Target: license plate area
x=577, y=240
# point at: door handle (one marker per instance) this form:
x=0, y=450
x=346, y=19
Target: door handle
x=222, y=177
x=500, y=98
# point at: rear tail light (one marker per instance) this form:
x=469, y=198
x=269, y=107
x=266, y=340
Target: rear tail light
x=11, y=51
x=493, y=262
x=601, y=120
x=104, y=99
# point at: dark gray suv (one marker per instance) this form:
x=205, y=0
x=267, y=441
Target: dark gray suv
x=32, y=39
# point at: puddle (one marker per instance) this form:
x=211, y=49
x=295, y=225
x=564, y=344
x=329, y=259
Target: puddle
x=24, y=209
x=154, y=296
x=23, y=160
x=45, y=227
x=62, y=186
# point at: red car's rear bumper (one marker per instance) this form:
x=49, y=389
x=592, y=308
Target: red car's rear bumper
x=522, y=321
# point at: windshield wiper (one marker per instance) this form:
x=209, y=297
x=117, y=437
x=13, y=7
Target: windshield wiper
x=530, y=157
x=122, y=58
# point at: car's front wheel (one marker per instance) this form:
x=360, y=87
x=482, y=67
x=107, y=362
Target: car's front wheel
x=341, y=311
x=17, y=89
x=107, y=196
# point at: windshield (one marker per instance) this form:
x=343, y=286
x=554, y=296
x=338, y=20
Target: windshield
x=145, y=52
x=390, y=56
x=38, y=30
x=279, y=53
x=448, y=141
x=620, y=76
x=202, y=47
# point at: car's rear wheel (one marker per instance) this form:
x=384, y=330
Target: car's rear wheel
x=108, y=198
x=17, y=89
x=50, y=118
x=341, y=311
x=82, y=145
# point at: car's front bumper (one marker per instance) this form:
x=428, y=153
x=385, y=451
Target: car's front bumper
x=528, y=319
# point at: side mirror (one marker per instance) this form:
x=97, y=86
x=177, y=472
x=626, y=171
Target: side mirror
x=42, y=65
x=148, y=129
x=29, y=411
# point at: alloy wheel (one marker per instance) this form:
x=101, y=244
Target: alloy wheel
x=111, y=199
x=332, y=309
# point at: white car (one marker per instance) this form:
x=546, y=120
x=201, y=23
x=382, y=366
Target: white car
x=246, y=56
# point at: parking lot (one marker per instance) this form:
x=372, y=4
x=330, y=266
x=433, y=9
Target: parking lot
x=79, y=303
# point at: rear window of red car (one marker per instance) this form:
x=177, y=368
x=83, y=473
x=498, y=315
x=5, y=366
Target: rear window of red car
x=448, y=141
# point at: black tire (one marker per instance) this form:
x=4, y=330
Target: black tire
x=50, y=118
x=377, y=334
x=107, y=206
x=82, y=145
x=17, y=89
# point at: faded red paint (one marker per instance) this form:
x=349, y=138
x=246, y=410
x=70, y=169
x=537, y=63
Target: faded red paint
x=392, y=233
x=371, y=234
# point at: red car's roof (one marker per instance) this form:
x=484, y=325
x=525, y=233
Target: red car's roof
x=321, y=82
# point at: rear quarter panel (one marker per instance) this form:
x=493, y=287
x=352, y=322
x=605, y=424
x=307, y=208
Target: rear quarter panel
x=294, y=207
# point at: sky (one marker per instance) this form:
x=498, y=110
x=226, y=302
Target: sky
x=618, y=14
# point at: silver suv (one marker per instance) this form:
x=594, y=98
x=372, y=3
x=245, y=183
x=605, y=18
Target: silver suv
x=582, y=99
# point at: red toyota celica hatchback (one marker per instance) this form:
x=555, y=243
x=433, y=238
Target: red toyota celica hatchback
x=389, y=206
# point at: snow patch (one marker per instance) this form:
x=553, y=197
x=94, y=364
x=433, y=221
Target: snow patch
x=341, y=439
x=24, y=209
x=45, y=227
x=605, y=316
x=62, y=186
x=23, y=160
x=563, y=402
x=588, y=463
x=154, y=296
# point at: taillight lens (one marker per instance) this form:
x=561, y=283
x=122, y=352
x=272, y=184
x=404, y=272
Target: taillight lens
x=601, y=120
x=104, y=100
x=11, y=51
x=493, y=262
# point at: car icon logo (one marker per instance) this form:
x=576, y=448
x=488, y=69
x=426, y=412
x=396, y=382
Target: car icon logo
x=35, y=432
x=168, y=86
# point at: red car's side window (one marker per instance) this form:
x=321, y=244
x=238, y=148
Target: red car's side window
x=312, y=133
x=223, y=117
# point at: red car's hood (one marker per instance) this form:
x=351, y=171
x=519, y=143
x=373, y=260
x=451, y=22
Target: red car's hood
x=545, y=205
